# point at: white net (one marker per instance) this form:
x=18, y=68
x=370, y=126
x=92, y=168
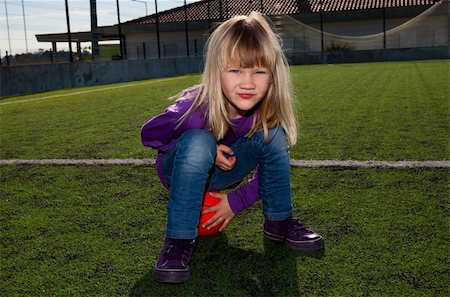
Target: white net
x=428, y=29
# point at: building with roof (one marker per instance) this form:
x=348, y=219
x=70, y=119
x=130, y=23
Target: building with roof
x=304, y=25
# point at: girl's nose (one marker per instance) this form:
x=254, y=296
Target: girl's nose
x=247, y=81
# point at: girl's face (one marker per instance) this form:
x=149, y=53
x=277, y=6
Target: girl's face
x=244, y=88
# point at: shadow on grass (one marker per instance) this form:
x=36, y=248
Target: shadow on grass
x=219, y=269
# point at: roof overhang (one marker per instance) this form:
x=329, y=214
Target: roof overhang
x=102, y=34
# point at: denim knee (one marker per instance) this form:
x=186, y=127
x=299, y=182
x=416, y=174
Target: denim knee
x=198, y=143
x=276, y=140
x=195, y=147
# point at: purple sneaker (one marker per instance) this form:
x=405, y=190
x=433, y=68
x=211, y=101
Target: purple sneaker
x=294, y=233
x=172, y=265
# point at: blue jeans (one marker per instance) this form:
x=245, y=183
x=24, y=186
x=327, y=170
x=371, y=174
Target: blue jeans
x=189, y=168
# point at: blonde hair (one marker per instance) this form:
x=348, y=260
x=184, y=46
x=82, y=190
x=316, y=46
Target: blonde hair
x=247, y=41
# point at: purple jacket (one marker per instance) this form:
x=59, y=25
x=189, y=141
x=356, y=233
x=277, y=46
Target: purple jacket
x=161, y=133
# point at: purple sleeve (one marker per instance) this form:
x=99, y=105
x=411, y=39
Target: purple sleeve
x=159, y=132
x=245, y=196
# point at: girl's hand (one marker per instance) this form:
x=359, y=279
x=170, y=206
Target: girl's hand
x=225, y=158
x=223, y=215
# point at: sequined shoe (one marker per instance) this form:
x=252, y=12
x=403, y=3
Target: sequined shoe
x=172, y=265
x=296, y=234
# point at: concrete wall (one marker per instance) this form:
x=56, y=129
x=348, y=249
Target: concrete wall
x=442, y=52
x=18, y=80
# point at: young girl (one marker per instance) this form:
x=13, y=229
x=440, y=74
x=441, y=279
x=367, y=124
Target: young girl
x=239, y=118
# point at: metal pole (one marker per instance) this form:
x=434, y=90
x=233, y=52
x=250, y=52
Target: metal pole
x=24, y=27
x=120, y=30
x=7, y=28
x=157, y=29
x=69, y=35
x=186, y=28
x=143, y=49
x=321, y=24
x=145, y=2
x=384, y=24
x=209, y=16
x=94, y=26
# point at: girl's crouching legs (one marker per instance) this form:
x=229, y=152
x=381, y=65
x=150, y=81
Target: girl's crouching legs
x=187, y=168
x=274, y=175
x=275, y=190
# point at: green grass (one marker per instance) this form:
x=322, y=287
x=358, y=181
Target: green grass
x=380, y=111
x=87, y=125
x=96, y=230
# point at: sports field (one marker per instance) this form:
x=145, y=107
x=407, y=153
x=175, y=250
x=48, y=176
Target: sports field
x=96, y=230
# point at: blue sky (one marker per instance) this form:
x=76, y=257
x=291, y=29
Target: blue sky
x=48, y=16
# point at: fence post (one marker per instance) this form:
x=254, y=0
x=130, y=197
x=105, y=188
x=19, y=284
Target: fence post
x=143, y=48
x=120, y=31
x=157, y=29
x=186, y=28
x=69, y=35
x=384, y=24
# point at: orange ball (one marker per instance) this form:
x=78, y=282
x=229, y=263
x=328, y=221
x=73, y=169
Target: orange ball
x=208, y=201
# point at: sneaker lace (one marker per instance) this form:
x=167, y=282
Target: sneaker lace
x=178, y=248
x=295, y=225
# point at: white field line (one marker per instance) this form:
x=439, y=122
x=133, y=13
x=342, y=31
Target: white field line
x=87, y=91
x=294, y=163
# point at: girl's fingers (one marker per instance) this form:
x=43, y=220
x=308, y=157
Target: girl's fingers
x=224, y=225
x=225, y=149
x=223, y=212
x=226, y=164
x=232, y=161
x=210, y=209
x=225, y=158
x=223, y=163
x=210, y=225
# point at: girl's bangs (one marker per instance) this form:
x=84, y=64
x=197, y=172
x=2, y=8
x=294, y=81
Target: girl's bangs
x=247, y=57
x=248, y=49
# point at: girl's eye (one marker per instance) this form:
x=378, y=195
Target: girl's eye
x=233, y=70
x=261, y=72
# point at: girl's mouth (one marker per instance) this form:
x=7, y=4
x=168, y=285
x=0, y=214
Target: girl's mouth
x=246, y=95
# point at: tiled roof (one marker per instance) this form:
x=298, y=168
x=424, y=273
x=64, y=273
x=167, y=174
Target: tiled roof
x=223, y=9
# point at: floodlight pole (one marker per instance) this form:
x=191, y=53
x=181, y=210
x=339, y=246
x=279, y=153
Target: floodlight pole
x=69, y=35
x=7, y=27
x=186, y=28
x=145, y=2
x=384, y=24
x=94, y=27
x=120, y=30
x=209, y=16
x=321, y=24
x=24, y=27
x=157, y=28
